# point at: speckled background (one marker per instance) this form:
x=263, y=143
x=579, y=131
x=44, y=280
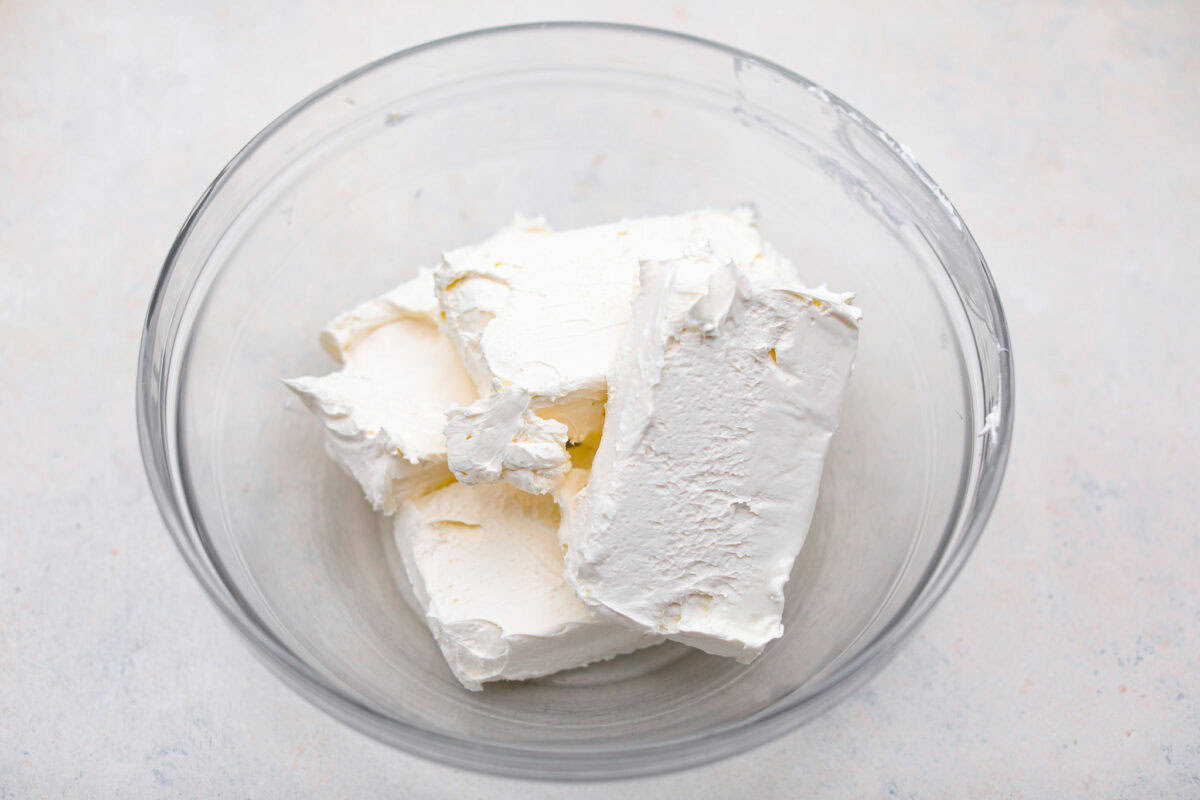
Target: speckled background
x=1064, y=663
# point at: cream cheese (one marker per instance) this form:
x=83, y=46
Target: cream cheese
x=500, y=438
x=487, y=570
x=384, y=411
x=414, y=299
x=722, y=401
x=471, y=403
x=543, y=312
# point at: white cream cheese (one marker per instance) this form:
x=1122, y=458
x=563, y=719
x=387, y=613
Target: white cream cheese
x=471, y=403
x=414, y=299
x=543, y=312
x=722, y=401
x=487, y=569
x=500, y=438
x=385, y=410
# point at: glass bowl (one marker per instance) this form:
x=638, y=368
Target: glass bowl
x=345, y=194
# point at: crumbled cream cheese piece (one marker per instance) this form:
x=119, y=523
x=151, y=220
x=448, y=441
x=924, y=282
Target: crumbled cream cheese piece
x=543, y=312
x=500, y=438
x=385, y=410
x=722, y=402
x=487, y=569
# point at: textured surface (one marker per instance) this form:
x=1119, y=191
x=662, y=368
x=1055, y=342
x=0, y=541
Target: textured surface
x=1065, y=661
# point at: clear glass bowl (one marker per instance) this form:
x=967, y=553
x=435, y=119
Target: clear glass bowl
x=341, y=197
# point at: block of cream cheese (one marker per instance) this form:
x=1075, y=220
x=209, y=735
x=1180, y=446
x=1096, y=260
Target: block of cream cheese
x=543, y=312
x=486, y=566
x=384, y=411
x=722, y=402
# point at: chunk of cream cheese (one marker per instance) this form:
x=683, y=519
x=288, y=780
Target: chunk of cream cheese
x=414, y=299
x=722, y=401
x=543, y=312
x=384, y=411
x=500, y=438
x=487, y=570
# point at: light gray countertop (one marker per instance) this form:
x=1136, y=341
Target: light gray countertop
x=1065, y=661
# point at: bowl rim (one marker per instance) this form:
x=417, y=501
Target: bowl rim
x=584, y=761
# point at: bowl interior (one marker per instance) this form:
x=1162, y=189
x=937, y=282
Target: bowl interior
x=379, y=174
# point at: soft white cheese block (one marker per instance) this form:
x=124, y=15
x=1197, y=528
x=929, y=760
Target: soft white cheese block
x=414, y=299
x=487, y=569
x=543, y=312
x=384, y=412
x=500, y=438
x=722, y=402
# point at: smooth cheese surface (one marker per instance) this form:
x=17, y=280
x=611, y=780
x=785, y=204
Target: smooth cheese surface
x=544, y=311
x=384, y=411
x=487, y=568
